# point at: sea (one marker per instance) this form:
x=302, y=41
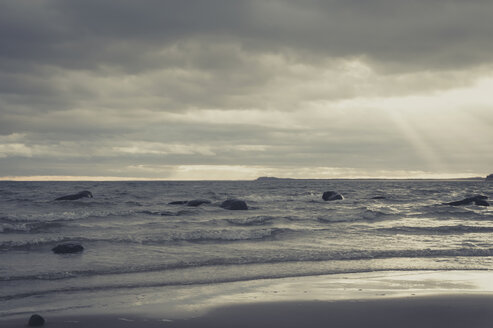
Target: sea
x=133, y=238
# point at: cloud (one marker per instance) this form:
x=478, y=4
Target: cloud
x=115, y=88
x=155, y=148
x=437, y=33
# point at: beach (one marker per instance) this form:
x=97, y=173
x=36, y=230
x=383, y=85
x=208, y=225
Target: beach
x=440, y=311
x=385, y=299
x=435, y=312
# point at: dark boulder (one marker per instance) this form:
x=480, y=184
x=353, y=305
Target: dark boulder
x=489, y=178
x=331, y=195
x=197, y=202
x=477, y=200
x=67, y=248
x=36, y=321
x=79, y=195
x=481, y=202
x=234, y=204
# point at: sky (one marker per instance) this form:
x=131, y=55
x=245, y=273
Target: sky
x=221, y=89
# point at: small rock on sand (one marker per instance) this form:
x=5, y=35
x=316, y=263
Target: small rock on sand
x=36, y=321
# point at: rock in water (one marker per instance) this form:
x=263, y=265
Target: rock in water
x=489, y=178
x=477, y=200
x=36, y=321
x=481, y=202
x=331, y=195
x=67, y=248
x=234, y=204
x=198, y=202
x=79, y=195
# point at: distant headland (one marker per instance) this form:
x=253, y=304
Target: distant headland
x=489, y=178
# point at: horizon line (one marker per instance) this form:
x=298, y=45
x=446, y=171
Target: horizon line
x=56, y=178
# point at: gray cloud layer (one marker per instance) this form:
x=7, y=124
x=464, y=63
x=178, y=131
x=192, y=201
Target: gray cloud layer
x=76, y=34
x=136, y=84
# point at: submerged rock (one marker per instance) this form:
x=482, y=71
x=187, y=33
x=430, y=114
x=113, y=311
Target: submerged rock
x=379, y=197
x=234, y=204
x=331, y=195
x=67, y=248
x=178, y=202
x=479, y=200
x=193, y=202
x=79, y=195
x=197, y=202
x=36, y=321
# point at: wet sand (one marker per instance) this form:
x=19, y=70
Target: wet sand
x=376, y=299
x=447, y=311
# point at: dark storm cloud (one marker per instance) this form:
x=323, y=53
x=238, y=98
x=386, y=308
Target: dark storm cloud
x=86, y=34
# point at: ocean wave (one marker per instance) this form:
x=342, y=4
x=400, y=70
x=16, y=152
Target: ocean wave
x=163, y=282
x=456, y=229
x=197, y=236
x=29, y=227
x=166, y=213
x=371, y=214
x=83, y=202
x=465, y=252
x=364, y=215
x=50, y=216
x=251, y=221
x=6, y=219
x=70, y=216
x=37, y=243
x=447, y=212
x=133, y=203
x=224, y=235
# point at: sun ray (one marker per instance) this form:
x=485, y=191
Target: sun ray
x=425, y=150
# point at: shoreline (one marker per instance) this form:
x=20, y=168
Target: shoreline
x=277, y=302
